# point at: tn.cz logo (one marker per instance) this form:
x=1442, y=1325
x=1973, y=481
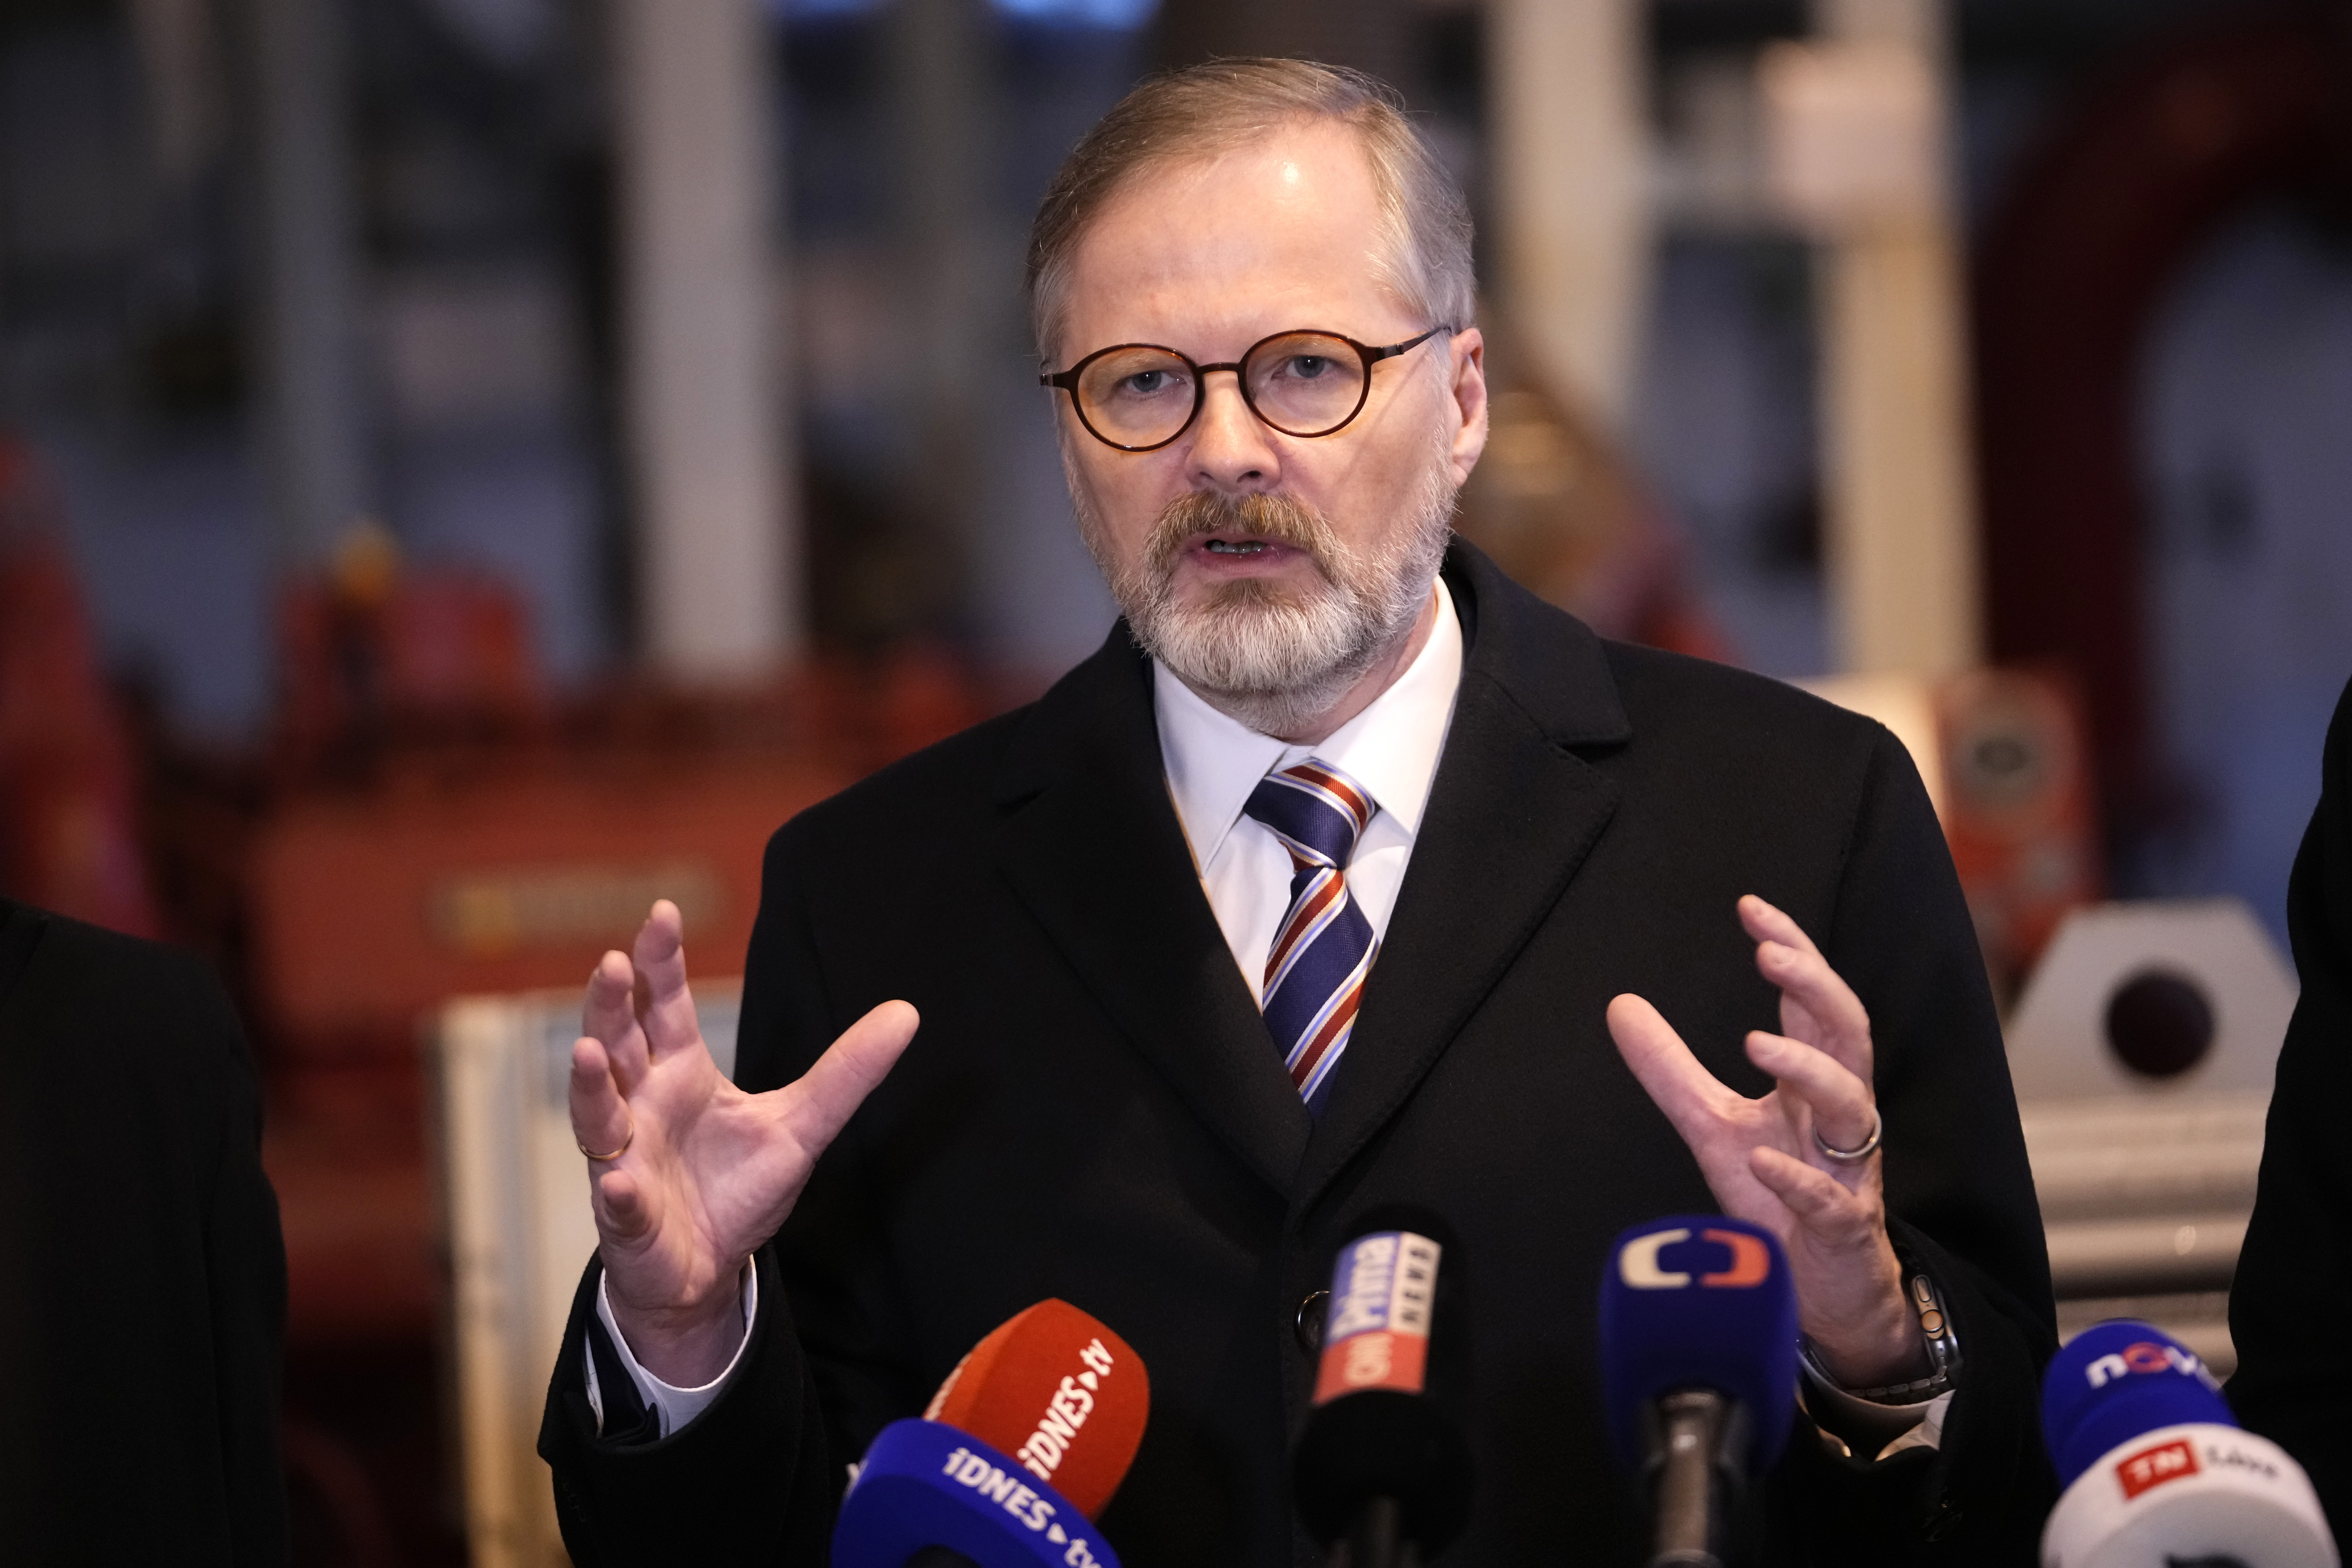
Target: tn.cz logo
x=2154, y=1466
x=1638, y=1265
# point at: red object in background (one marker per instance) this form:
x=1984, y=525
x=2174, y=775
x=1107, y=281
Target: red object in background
x=369, y=910
x=376, y=655
x=2073, y=265
x=2020, y=812
x=69, y=795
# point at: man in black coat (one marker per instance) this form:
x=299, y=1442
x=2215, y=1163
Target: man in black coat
x=143, y=1280
x=1101, y=908
x=2291, y=1384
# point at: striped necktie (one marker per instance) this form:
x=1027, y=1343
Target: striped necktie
x=1325, y=947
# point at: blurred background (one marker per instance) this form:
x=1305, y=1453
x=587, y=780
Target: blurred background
x=470, y=466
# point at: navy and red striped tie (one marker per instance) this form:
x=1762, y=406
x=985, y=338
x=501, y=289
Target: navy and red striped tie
x=1315, y=974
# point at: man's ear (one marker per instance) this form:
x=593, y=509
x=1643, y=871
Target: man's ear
x=1467, y=386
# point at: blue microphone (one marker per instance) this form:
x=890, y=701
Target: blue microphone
x=927, y=1491
x=1698, y=1371
x=2156, y=1469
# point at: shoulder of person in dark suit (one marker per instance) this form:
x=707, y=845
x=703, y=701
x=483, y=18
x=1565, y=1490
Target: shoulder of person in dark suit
x=142, y=1309
x=2293, y=1384
x=1711, y=774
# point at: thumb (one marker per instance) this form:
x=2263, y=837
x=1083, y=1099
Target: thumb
x=821, y=1104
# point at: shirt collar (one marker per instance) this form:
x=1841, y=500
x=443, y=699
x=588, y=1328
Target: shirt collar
x=1214, y=761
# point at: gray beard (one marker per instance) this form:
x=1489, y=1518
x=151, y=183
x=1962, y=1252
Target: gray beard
x=1271, y=658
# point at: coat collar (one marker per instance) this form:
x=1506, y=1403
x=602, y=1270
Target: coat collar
x=1089, y=840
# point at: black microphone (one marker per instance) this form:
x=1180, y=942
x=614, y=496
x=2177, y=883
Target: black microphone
x=1382, y=1471
x=1698, y=1371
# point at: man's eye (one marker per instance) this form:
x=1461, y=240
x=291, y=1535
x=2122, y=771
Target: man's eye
x=1147, y=382
x=1306, y=367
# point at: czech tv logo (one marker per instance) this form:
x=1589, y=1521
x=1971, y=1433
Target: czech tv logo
x=1744, y=1264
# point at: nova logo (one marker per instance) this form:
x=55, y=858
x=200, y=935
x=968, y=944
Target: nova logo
x=1638, y=1264
x=2145, y=1357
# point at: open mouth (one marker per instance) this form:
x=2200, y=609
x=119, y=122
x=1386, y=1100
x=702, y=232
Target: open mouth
x=1236, y=546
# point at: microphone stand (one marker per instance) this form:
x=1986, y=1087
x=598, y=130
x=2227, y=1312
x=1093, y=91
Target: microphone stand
x=1376, y=1539
x=1696, y=1437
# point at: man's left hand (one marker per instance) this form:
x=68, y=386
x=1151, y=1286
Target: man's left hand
x=1760, y=1160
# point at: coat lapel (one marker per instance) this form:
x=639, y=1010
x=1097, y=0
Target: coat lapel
x=1512, y=815
x=1089, y=840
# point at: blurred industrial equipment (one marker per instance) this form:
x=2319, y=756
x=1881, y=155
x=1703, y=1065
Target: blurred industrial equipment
x=2142, y=166
x=520, y=1232
x=432, y=825
x=2143, y=1051
x=2003, y=756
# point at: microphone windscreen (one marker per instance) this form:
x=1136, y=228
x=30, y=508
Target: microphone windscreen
x=1699, y=1301
x=1060, y=1393
x=2117, y=1380
x=1390, y=1383
x=927, y=1494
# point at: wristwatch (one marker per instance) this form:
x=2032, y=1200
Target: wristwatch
x=1943, y=1346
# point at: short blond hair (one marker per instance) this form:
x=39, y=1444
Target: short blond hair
x=1206, y=109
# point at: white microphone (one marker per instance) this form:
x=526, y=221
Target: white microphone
x=2158, y=1473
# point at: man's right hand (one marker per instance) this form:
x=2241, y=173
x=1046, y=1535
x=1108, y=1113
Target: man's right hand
x=706, y=1172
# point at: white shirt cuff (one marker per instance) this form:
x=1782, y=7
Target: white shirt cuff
x=673, y=1406
x=1882, y=1431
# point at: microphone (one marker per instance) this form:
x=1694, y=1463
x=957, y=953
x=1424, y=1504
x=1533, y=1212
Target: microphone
x=1698, y=1371
x=2156, y=1469
x=1383, y=1466
x=1018, y=1451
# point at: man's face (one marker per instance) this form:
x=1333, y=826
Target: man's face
x=1235, y=530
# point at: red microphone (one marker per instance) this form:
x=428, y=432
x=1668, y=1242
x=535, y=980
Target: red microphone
x=1019, y=1450
x=1058, y=1392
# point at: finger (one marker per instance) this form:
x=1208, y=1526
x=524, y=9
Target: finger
x=609, y=1017
x=600, y=1117
x=1768, y=922
x=1693, y=1097
x=665, y=1006
x=1842, y=1108
x=830, y=1092
x=1831, y=1213
x=1806, y=979
x=1787, y=957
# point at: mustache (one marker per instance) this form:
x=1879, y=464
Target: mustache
x=1277, y=518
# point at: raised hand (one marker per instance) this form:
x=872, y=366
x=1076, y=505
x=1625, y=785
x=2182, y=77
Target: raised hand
x=1761, y=1160
x=687, y=1174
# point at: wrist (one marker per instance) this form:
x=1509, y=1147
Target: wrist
x=685, y=1344
x=1874, y=1339
x=1937, y=1368
x=1889, y=1351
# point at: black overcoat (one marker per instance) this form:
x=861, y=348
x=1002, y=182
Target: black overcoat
x=2291, y=1382
x=142, y=1280
x=1092, y=1109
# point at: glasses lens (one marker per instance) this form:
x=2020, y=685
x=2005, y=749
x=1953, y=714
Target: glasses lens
x=1137, y=396
x=1305, y=383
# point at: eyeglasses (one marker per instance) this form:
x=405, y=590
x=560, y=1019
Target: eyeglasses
x=1139, y=397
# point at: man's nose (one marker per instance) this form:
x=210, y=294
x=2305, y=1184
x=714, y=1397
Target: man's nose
x=1231, y=451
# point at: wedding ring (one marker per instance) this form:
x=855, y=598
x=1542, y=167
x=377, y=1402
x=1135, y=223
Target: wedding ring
x=632, y=1137
x=1869, y=1144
